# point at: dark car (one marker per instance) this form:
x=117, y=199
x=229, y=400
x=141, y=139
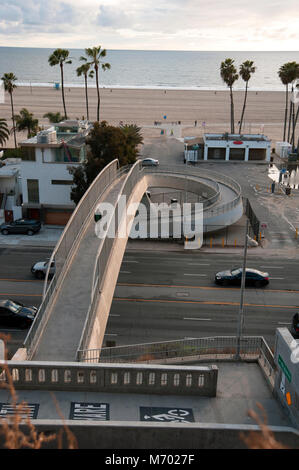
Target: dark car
x=234, y=277
x=15, y=314
x=295, y=326
x=28, y=226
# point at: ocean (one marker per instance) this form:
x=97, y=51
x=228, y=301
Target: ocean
x=147, y=69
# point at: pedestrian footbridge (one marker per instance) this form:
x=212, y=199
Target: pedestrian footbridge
x=76, y=301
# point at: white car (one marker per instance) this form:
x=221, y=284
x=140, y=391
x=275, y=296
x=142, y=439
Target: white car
x=39, y=269
x=150, y=162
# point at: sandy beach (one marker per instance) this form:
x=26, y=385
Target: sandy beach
x=264, y=111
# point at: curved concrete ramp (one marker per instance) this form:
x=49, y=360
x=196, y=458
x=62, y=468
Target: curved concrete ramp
x=78, y=310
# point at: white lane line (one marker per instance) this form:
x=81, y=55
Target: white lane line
x=283, y=323
x=114, y=315
x=198, y=319
x=276, y=278
x=129, y=261
x=110, y=334
x=272, y=267
x=186, y=274
x=125, y=272
x=199, y=264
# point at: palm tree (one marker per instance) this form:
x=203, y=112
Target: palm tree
x=133, y=139
x=60, y=57
x=9, y=80
x=83, y=70
x=4, y=132
x=54, y=117
x=25, y=121
x=96, y=54
x=288, y=73
x=246, y=69
x=229, y=75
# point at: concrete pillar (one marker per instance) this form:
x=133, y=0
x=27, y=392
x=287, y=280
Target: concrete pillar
x=268, y=153
x=227, y=150
x=205, y=155
x=246, y=154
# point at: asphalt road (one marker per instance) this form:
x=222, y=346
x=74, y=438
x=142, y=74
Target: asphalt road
x=169, y=295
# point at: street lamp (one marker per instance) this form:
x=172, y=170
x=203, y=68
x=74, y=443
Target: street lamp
x=241, y=308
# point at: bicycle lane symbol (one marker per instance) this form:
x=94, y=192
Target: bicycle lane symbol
x=176, y=415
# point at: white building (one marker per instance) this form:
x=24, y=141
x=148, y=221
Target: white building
x=245, y=147
x=46, y=181
x=10, y=190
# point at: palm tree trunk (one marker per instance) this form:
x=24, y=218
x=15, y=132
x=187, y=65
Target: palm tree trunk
x=243, y=110
x=62, y=90
x=13, y=120
x=232, y=111
x=86, y=97
x=286, y=114
x=290, y=116
x=98, y=93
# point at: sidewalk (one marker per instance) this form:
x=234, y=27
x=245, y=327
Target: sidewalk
x=48, y=236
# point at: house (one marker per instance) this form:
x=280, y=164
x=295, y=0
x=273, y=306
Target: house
x=227, y=147
x=46, y=181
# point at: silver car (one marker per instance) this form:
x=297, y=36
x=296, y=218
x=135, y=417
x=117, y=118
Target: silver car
x=150, y=162
x=39, y=269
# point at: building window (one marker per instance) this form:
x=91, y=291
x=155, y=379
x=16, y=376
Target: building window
x=33, y=191
x=62, y=182
x=28, y=154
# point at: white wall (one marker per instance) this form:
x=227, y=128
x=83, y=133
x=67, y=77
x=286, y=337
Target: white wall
x=45, y=173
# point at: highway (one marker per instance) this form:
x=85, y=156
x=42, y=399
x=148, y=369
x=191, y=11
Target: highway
x=164, y=296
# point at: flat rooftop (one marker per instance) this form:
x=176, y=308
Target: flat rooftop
x=240, y=387
x=237, y=137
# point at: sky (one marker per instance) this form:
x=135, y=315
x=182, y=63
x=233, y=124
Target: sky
x=195, y=25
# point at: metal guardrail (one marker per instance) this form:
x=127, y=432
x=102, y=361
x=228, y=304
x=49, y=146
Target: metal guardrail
x=222, y=347
x=67, y=243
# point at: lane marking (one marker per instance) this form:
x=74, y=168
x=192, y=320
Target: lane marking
x=284, y=323
x=180, y=286
x=22, y=280
x=22, y=295
x=276, y=278
x=130, y=261
x=114, y=315
x=204, y=302
x=198, y=319
x=124, y=272
x=110, y=334
x=199, y=264
x=202, y=275
x=272, y=267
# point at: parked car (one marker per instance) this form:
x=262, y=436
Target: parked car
x=15, y=314
x=150, y=162
x=295, y=326
x=39, y=269
x=28, y=226
x=234, y=277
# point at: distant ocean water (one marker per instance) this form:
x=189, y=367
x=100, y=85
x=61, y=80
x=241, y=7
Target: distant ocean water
x=147, y=69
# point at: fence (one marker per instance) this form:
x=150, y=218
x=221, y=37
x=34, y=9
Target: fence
x=222, y=347
x=254, y=221
x=67, y=243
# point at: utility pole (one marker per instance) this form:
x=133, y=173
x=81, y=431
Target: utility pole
x=241, y=308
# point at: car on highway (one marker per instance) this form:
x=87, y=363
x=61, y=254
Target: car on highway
x=234, y=276
x=150, y=162
x=28, y=226
x=15, y=314
x=39, y=269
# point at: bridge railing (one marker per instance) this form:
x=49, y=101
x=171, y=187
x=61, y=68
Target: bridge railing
x=67, y=243
x=119, y=378
x=105, y=249
x=222, y=347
